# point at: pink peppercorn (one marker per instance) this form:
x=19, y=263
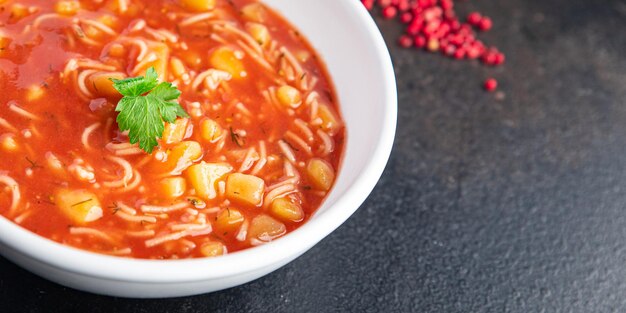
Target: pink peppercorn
x=459, y=53
x=403, y=5
x=405, y=41
x=447, y=4
x=473, y=52
x=449, y=50
x=489, y=58
x=485, y=24
x=390, y=12
x=419, y=41
x=474, y=18
x=433, y=25
x=499, y=59
x=406, y=17
x=490, y=84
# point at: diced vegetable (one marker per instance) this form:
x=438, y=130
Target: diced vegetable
x=265, y=228
x=259, y=32
x=177, y=67
x=198, y=5
x=192, y=58
x=18, y=12
x=160, y=64
x=203, y=177
x=35, y=92
x=55, y=165
x=287, y=210
x=101, y=84
x=224, y=59
x=180, y=157
x=330, y=121
x=289, y=96
x=109, y=20
x=67, y=8
x=321, y=174
x=173, y=187
x=8, y=143
x=212, y=248
x=80, y=206
x=245, y=189
x=5, y=42
x=228, y=221
x=302, y=55
x=175, y=132
x=255, y=12
x=210, y=130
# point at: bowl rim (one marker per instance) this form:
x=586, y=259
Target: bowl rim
x=100, y=266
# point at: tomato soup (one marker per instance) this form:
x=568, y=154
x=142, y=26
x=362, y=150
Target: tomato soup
x=252, y=157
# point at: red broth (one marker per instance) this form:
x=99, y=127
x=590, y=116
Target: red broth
x=257, y=156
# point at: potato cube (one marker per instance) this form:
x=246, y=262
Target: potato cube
x=18, y=11
x=210, y=130
x=287, y=210
x=80, y=206
x=35, y=92
x=54, y=164
x=228, y=221
x=245, y=189
x=212, y=248
x=224, y=59
x=161, y=65
x=330, y=121
x=8, y=143
x=255, y=12
x=173, y=187
x=101, y=85
x=177, y=67
x=259, y=32
x=179, y=158
x=198, y=5
x=175, y=132
x=265, y=228
x=320, y=174
x=67, y=8
x=203, y=177
x=289, y=96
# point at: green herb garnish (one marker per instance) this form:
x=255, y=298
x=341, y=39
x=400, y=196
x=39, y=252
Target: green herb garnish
x=146, y=106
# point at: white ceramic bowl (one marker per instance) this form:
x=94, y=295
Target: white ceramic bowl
x=354, y=51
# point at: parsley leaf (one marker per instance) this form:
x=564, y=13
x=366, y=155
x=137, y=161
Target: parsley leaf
x=145, y=107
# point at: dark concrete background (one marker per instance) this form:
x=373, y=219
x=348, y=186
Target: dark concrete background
x=509, y=203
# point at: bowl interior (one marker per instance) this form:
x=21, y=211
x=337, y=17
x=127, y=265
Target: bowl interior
x=358, y=61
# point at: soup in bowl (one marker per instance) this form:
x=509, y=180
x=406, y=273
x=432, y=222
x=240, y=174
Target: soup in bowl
x=154, y=143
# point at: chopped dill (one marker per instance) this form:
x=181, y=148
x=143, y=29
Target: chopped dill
x=235, y=137
x=290, y=145
x=82, y=202
x=33, y=164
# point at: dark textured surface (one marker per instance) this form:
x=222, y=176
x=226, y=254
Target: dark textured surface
x=487, y=205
